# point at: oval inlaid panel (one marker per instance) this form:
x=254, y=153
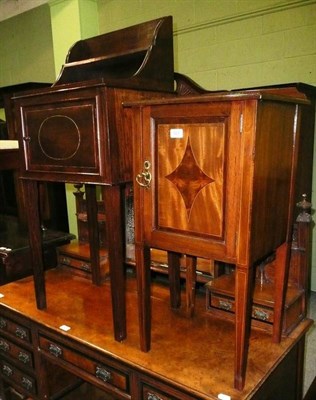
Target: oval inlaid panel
x=59, y=137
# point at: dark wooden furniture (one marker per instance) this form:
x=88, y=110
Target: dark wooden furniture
x=76, y=255
x=221, y=291
x=218, y=176
x=15, y=260
x=75, y=132
x=39, y=355
x=82, y=218
x=12, y=202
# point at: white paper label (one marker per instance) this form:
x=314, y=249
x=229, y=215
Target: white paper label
x=65, y=328
x=223, y=396
x=1, y=295
x=176, y=133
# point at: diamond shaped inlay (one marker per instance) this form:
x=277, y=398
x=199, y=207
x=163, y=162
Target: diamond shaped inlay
x=189, y=178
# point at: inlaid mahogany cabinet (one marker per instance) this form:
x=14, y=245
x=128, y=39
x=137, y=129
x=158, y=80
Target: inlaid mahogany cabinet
x=217, y=176
x=75, y=132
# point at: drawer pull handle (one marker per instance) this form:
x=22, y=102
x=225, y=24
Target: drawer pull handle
x=20, y=333
x=4, y=346
x=144, y=178
x=7, y=370
x=3, y=323
x=24, y=358
x=85, y=267
x=26, y=383
x=264, y=316
x=65, y=260
x=153, y=396
x=225, y=305
x=55, y=350
x=103, y=374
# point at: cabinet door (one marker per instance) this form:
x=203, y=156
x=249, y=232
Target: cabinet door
x=64, y=135
x=188, y=161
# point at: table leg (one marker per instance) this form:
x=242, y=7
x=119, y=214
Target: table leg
x=174, y=278
x=35, y=239
x=282, y=264
x=243, y=304
x=190, y=263
x=142, y=259
x=93, y=229
x=113, y=204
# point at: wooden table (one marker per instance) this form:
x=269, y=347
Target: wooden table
x=193, y=360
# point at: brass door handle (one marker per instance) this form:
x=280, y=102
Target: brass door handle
x=144, y=177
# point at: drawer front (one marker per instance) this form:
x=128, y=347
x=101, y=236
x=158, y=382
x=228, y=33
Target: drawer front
x=13, y=374
x=228, y=304
x=74, y=262
x=10, y=349
x=64, y=135
x=224, y=303
x=15, y=329
x=150, y=392
x=107, y=374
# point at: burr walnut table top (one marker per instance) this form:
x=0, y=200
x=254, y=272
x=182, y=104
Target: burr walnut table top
x=195, y=354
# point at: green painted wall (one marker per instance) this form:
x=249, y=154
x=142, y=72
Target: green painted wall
x=227, y=44
x=26, y=53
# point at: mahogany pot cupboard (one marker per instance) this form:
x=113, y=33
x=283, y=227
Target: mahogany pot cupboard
x=218, y=176
x=75, y=132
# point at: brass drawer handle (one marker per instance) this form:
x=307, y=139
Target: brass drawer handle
x=65, y=260
x=103, y=374
x=7, y=370
x=55, y=350
x=153, y=396
x=20, y=333
x=144, y=178
x=225, y=305
x=4, y=346
x=85, y=267
x=260, y=314
x=26, y=383
x=24, y=358
x=3, y=323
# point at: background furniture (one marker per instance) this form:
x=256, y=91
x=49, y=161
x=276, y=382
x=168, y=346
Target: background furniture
x=76, y=255
x=221, y=291
x=15, y=260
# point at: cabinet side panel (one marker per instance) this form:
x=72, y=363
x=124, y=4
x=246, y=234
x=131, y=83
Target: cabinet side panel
x=275, y=138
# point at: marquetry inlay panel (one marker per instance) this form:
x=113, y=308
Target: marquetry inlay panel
x=191, y=177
